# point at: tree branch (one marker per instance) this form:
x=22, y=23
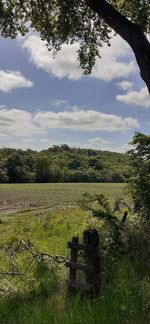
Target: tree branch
x=38, y=256
x=129, y=31
x=10, y=273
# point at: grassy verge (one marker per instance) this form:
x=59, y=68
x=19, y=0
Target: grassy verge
x=40, y=296
x=124, y=301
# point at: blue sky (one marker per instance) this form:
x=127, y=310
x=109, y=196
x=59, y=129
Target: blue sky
x=46, y=102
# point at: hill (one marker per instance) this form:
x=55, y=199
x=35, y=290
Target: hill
x=62, y=164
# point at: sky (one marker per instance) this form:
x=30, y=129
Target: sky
x=46, y=101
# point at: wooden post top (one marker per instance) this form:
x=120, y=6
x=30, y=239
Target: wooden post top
x=75, y=239
x=91, y=237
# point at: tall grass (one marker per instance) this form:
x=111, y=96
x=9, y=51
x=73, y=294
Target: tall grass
x=124, y=301
x=41, y=298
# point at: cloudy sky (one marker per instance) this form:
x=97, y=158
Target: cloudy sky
x=46, y=102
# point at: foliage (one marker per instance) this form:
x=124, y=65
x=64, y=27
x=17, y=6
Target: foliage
x=125, y=290
x=40, y=297
x=20, y=168
x=140, y=180
x=48, y=232
x=62, y=164
x=105, y=210
x=3, y=172
x=124, y=301
x=136, y=10
x=68, y=21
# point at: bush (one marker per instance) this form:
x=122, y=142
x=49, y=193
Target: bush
x=140, y=181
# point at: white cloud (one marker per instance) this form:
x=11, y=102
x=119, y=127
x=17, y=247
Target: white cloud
x=141, y=98
x=112, y=65
x=49, y=142
x=106, y=147
x=36, y=143
x=13, y=79
x=20, y=124
x=17, y=122
x=60, y=102
x=98, y=141
x=65, y=63
x=4, y=137
x=120, y=149
x=22, y=129
x=125, y=85
x=85, y=120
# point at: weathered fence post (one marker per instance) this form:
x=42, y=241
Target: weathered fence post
x=73, y=271
x=91, y=265
x=91, y=237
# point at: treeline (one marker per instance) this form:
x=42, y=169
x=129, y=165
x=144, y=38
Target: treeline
x=62, y=164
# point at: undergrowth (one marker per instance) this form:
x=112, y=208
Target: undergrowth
x=124, y=300
x=41, y=297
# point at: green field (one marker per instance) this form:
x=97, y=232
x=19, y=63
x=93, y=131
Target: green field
x=48, y=215
x=26, y=207
x=17, y=197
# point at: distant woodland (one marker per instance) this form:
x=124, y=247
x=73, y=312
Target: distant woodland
x=62, y=164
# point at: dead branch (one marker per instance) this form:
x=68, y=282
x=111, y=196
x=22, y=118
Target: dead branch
x=38, y=256
x=4, y=273
x=124, y=217
x=57, y=258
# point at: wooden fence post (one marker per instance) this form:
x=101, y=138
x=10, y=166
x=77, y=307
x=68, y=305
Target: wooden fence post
x=73, y=272
x=91, y=237
x=91, y=265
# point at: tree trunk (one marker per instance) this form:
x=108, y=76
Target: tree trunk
x=129, y=31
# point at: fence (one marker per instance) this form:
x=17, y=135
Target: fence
x=91, y=265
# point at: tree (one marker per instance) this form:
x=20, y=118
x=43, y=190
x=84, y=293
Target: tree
x=74, y=164
x=43, y=170
x=95, y=163
x=86, y=21
x=140, y=180
x=3, y=172
x=18, y=170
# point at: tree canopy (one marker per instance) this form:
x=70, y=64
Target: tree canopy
x=62, y=164
x=140, y=179
x=87, y=21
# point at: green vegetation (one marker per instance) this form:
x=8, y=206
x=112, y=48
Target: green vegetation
x=87, y=22
x=17, y=197
x=40, y=296
x=124, y=302
x=44, y=217
x=140, y=180
x=62, y=164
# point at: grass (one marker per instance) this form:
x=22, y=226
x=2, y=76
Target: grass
x=40, y=296
x=16, y=197
x=122, y=302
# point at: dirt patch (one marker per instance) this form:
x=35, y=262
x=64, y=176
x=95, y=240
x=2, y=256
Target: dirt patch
x=11, y=208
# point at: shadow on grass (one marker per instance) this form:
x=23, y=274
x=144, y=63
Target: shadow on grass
x=123, y=301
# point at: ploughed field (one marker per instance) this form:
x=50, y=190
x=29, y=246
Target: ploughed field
x=24, y=197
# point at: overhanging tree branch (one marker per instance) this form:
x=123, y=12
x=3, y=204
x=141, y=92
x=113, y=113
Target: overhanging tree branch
x=86, y=21
x=129, y=31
